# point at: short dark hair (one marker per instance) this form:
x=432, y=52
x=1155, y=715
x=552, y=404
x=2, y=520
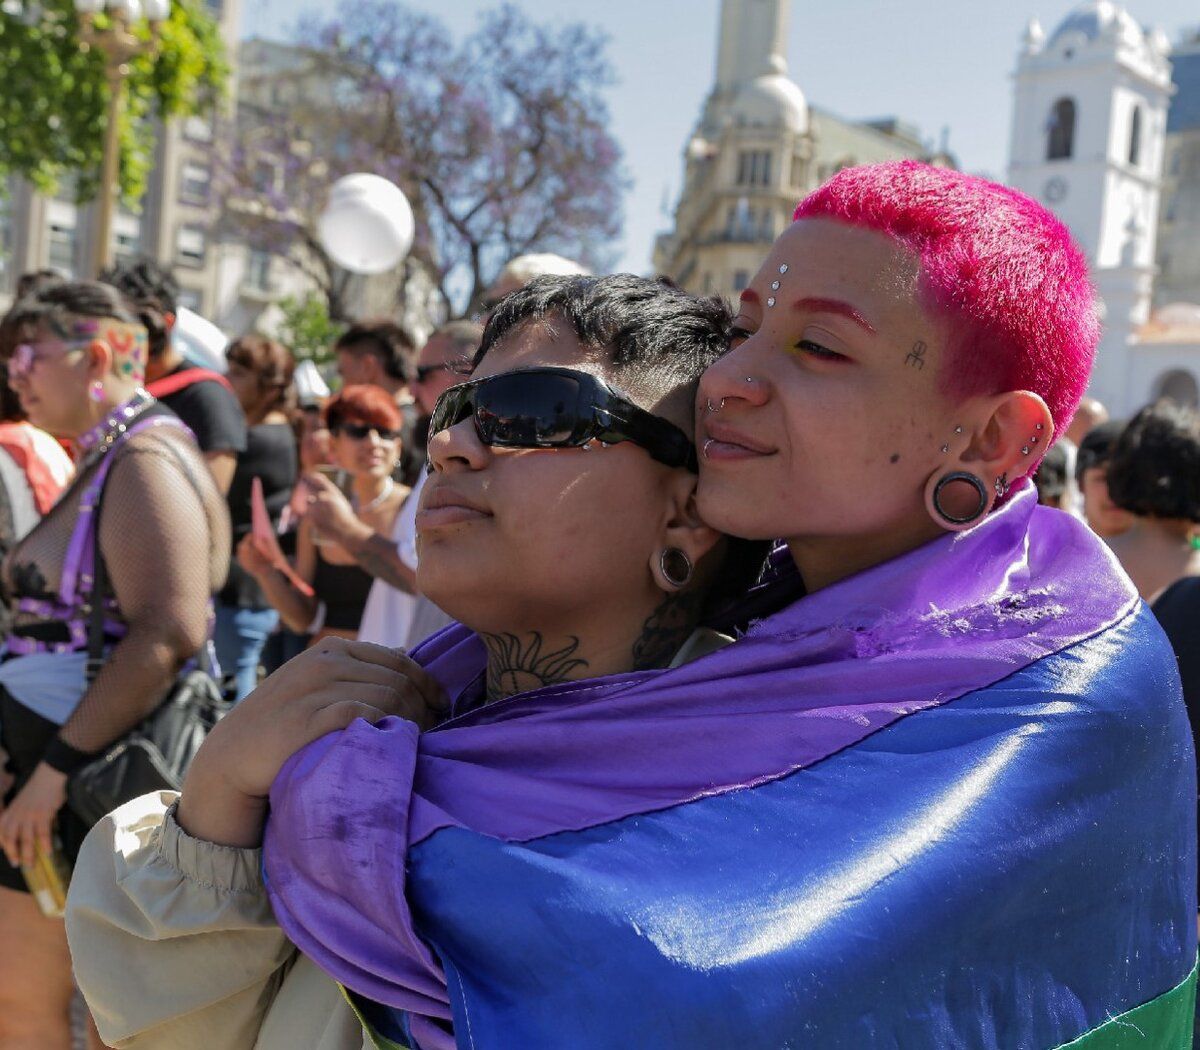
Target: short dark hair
x=54, y=304
x=1096, y=446
x=1051, y=476
x=386, y=340
x=657, y=338
x=1154, y=470
x=154, y=292
x=35, y=281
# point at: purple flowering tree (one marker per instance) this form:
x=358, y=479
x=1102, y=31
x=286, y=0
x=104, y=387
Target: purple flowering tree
x=500, y=140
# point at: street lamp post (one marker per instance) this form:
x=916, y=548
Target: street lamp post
x=119, y=46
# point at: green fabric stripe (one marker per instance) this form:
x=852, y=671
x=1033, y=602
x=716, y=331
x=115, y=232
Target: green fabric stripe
x=1164, y=1023
x=377, y=1041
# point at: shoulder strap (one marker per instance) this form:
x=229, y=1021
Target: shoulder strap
x=172, y=384
x=99, y=575
x=95, y=632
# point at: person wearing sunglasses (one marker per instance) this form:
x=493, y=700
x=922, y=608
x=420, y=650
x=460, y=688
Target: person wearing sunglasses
x=327, y=593
x=391, y=616
x=143, y=498
x=945, y=798
x=559, y=523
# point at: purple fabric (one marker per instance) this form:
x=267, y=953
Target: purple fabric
x=954, y=616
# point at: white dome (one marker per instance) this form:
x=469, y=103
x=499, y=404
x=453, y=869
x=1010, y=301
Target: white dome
x=771, y=100
x=1100, y=18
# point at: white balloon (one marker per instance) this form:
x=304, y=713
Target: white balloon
x=367, y=227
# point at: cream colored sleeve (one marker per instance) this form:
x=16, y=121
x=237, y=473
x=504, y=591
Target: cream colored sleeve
x=172, y=938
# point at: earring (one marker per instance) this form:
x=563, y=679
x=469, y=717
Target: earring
x=1001, y=486
x=954, y=519
x=676, y=567
x=96, y=391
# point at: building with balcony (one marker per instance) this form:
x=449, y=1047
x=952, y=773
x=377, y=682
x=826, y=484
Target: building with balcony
x=758, y=148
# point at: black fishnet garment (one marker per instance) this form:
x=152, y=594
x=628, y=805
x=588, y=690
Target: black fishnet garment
x=164, y=536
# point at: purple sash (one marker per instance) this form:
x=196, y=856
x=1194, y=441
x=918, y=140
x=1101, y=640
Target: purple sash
x=952, y=617
x=78, y=570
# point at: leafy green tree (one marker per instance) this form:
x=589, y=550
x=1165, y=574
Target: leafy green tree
x=55, y=97
x=307, y=329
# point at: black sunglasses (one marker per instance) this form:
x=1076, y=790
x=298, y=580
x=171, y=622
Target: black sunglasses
x=423, y=372
x=558, y=408
x=358, y=431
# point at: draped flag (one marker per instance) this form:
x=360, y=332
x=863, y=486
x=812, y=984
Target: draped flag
x=949, y=802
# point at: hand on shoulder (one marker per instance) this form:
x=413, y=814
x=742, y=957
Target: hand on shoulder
x=321, y=691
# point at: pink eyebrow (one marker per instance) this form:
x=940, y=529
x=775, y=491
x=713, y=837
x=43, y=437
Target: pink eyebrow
x=834, y=306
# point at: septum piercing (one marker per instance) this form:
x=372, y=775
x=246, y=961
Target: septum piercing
x=719, y=408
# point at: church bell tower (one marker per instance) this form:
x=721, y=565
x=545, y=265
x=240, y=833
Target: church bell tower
x=1088, y=135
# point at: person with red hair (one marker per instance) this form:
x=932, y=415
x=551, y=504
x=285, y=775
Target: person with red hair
x=327, y=592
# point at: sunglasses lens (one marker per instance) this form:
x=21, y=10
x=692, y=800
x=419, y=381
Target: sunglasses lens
x=528, y=410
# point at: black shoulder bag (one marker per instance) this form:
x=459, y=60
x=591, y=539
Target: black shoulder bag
x=156, y=754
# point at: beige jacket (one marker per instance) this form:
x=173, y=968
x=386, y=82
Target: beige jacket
x=175, y=946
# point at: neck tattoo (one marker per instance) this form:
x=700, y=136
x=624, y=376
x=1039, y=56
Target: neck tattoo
x=668, y=627
x=518, y=664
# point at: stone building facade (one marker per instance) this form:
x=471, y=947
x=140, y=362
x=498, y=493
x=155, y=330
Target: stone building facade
x=759, y=147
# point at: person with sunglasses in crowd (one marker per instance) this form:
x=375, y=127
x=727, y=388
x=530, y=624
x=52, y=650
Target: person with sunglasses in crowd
x=396, y=614
x=559, y=521
x=865, y=822
x=326, y=594
x=143, y=500
x=946, y=798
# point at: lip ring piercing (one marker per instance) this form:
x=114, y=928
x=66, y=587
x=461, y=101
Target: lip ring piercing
x=704, y=450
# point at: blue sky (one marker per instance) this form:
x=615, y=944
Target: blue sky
x=933, y=63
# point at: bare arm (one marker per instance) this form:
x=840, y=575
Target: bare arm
x=222, y=465
x=379, y=556
x=156, y=543
x=375, y=553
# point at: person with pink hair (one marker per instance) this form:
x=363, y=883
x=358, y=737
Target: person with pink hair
x=998, y=869
x=932, y=786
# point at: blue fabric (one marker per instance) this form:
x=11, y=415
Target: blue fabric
x=1008, y=870
x=239, y=638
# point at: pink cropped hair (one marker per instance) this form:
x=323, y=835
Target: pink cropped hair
x=1000, y=268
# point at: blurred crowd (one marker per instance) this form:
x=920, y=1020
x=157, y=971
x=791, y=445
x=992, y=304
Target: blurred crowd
x=1136, y=483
